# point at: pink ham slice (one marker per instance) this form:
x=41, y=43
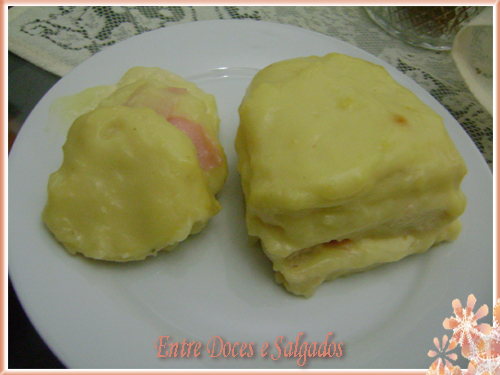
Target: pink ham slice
x=208, y=154
x=162, y=101
x=159, y=100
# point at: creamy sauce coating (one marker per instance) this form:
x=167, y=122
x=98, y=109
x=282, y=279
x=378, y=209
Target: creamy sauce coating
x=332, y=149
x=132, y=182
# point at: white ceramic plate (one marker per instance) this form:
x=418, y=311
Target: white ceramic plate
x=101, y=315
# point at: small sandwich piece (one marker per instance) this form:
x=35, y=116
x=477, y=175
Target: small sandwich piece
x=343, y=169
x=140, y=171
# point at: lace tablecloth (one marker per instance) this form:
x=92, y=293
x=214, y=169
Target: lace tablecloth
x=58, y=38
